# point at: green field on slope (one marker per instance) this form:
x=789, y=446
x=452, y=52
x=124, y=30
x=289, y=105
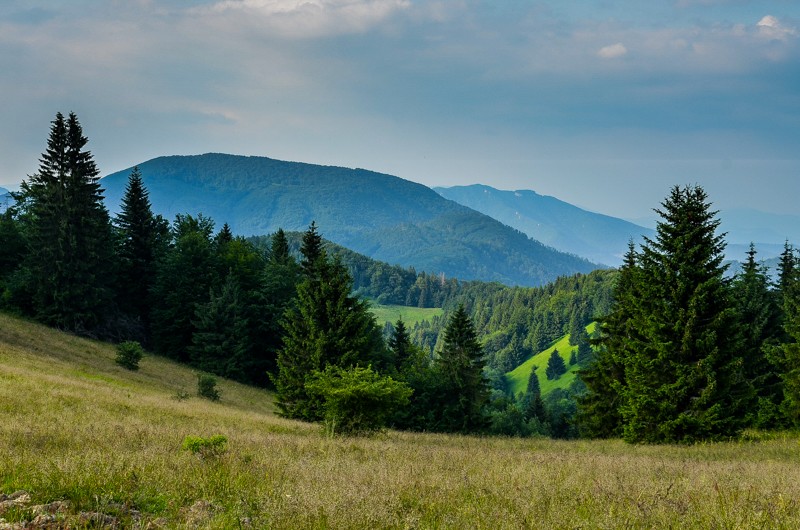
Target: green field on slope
x=87, y=444
x=410, y=315
x=518, y=377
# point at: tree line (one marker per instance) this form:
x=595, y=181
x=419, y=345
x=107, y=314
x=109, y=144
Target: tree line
x=215, y=301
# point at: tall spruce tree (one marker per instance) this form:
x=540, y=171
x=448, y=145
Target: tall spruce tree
x=790, y=349
x=327, y=326
x=620, y=335
x=460, y=365
x=140, y=244
x=683, y=379
x=760, y=329
x=70, y=253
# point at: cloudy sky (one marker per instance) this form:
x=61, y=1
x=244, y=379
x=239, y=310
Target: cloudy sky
x=604, y=103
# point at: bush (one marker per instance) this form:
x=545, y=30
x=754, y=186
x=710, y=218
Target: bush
x=357, y=400
x=207, y=387
x=129, y=354
x=205, y=447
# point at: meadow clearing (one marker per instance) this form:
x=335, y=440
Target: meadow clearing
x=92, y=444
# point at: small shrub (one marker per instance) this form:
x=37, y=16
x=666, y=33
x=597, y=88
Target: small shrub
x=205, y=447
x=129, y=354
x=207, y=387
x=357, y=400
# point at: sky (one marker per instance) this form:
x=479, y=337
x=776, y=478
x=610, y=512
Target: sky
x=606, y=104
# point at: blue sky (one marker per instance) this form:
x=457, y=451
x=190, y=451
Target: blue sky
x=605, y=104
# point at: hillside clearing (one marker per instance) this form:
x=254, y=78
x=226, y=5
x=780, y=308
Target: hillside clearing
x=76, y=427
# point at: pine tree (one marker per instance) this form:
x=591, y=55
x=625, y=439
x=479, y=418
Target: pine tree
x=328, y=326
x=759, y=327
x=460, y=365
x=555, y=366
x=790, y=349
x=312, y=252
x=220, y=342
x=183, y=280
x=534, y=405
x=599, y=409
x=140, y=245
x=70, y=246
x=400, y=345
x=684, y=381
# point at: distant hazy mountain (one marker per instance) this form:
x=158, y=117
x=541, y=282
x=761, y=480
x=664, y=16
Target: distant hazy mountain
x=5, y=199
x=379, y=215
x=746, y=225
x=599, y=238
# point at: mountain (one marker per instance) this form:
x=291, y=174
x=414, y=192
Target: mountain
x=382, y=216
x=599, y=238
x=5, y=199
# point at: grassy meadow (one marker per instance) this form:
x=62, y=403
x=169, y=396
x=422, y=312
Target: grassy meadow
x=410, y=315
x=76, y=428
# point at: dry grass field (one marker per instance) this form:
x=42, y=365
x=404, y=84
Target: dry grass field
x=85, y=443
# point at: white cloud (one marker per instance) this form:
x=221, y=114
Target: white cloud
x=771, y=28
x=612, y=51
x=313, y=18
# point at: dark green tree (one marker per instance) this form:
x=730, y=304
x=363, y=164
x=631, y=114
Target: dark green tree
x=400, y=345
x=327, y=326
x=70, y=249
x=599, y=408
x=555, y=366
x=140, y=244
x=684, y=381
x=184, y=279
x=460, y=365
x=790, y=349
x=760, y=329
x=534, y=405
x=220, y=342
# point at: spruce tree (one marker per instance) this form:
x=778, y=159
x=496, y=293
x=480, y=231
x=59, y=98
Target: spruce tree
x=759, y=328
x=534, y=405
x=620, y=334
x=684, y=381
x=220, y=342
x=555, y=366
x=460, y=366
x=70, y=247
x=183, y=280
x=327, y=326
x=790, y=349
x=139, y=246
x=400, y=345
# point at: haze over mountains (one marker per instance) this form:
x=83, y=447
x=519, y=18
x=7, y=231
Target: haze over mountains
x=384, y=217
x=599, y=238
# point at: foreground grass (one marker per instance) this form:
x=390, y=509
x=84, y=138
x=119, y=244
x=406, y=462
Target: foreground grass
x=75, y=427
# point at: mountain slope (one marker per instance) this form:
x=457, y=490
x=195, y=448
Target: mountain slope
x=379, y=215
x=599, y=238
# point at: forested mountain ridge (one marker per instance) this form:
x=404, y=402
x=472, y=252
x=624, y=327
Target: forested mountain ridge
x=384, y=217
x=565, y=227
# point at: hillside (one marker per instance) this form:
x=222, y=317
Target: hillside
x=598, y=238
x=382, y=216
x=86, y=444
x=517, y=378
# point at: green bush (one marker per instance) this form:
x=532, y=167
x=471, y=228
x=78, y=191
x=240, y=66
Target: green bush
x=357, y=400
x=129, y=354
x=205, y=447
x=207, y=387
